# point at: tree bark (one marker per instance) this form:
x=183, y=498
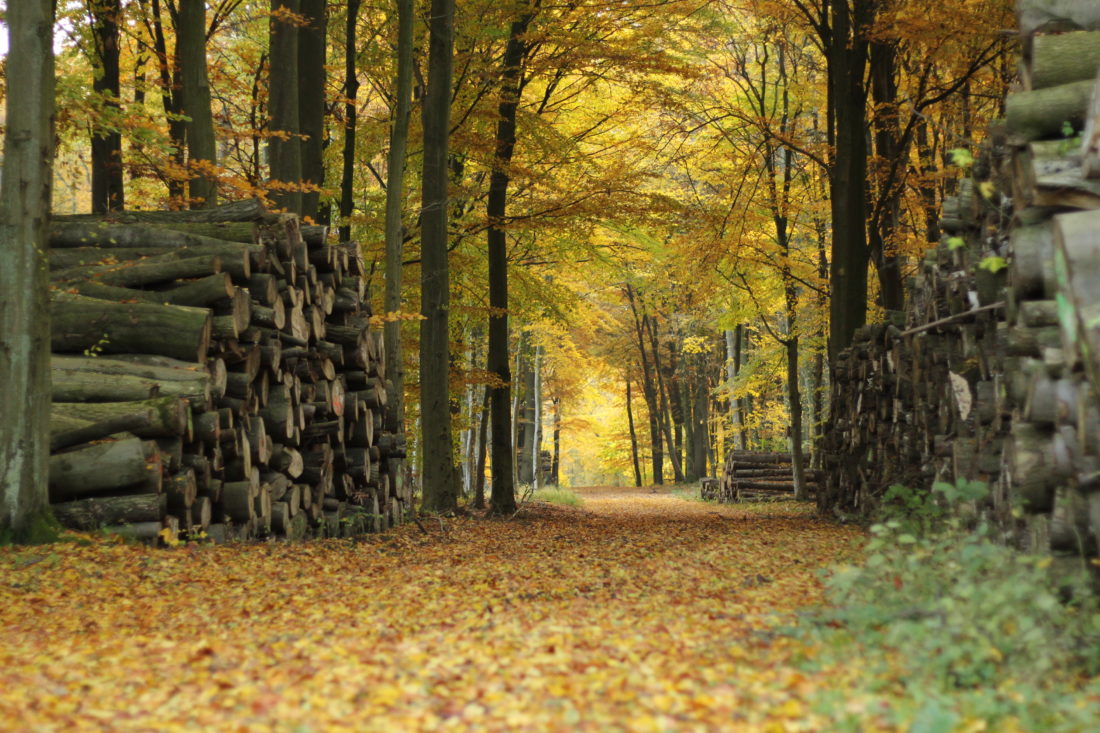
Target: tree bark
x=107, y=180
x=351, y=115
x=503, y=497
x=482, y=451
x=311, y=101
x=440, y=480
x=395, y=230
x=633, y=435
x=285, y=146
x=847, y=57
x=555, y=464
x=24, y=311
x=202, y=148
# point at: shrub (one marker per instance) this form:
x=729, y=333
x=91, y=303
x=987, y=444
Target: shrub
x=947, y=627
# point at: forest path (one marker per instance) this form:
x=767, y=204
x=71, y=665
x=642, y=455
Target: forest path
x=638, y=611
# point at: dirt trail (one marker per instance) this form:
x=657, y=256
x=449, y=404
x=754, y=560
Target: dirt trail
x=638, y=611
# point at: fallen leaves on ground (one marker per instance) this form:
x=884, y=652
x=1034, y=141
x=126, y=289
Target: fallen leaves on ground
x=639, y=611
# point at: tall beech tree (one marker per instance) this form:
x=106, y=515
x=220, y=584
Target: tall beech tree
x=503, y=496
x=311, y=101
x=285, y=145
x=351, y=118
x=107, y=178
x=395, y=198
x=440, y=478
x=202, y=148
x=24, y=312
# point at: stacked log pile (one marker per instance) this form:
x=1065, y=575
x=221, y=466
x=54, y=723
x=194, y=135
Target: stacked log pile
x=214, y=375
x=993, y=370
x=754, y=475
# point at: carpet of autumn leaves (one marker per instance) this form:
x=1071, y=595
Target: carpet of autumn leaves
x=638, y=611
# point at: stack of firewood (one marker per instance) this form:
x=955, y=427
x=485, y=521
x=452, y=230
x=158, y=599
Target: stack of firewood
x=214, y=374
x=993, y=371
x=751, y=475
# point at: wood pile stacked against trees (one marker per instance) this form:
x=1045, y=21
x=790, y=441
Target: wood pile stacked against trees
x=993, y=370
x=213, y=372
x=752, y=475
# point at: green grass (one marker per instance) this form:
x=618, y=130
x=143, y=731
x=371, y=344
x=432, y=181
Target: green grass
x=558, y=495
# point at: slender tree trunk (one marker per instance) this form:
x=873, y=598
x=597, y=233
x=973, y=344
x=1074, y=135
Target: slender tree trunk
x=24, y=311
x=555, y=463
x=482, y=451
x=691, y=471
x=440, y=478
x=663, y=403
x=649, y=391
x=733, y=368
x=794, y=399
x=927, y=187
x=107, y=181
x=503, y=499
x=633, y=434
x=169, y=72
x=536, y=427
x=514, y=419
x=311, y=101
x=701, y=443
x=285, y=146
x=195, y=99
x=351, y=115
x=395, y=195
x=525, y=417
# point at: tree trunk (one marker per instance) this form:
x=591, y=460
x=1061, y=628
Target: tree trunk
x=170, y=83
x=107, y=182
x=525, y=416
x=536, y=426
x=794, y=399
x=633, y=435
x=440, y=480
x=482, y=451
x=351, y=114
x=24, y=311
x=847, y=51
x=664, y=417
x=555, y=463
x=285, y=148
x=195, y=98
x=395, y=195
x=503, y=499
x=890, y=176
x=311, y=101
x=649, y=390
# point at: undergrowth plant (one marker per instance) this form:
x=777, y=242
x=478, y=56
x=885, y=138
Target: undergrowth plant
x=953, y=628
x=558, y=495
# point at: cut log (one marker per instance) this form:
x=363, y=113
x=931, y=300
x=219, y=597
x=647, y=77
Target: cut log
x=1044, y=112
x=100, y=511
x=144, y=272
x=1060, y=58
x=111, y=465
x=80, y=324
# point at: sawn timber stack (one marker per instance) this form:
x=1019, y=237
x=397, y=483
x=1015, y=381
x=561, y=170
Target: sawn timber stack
x=993, y=370
x=214, y=374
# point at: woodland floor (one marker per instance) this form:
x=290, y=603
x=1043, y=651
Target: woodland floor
x=639, y=611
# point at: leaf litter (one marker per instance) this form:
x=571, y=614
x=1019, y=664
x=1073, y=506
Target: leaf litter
x=638, y=612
